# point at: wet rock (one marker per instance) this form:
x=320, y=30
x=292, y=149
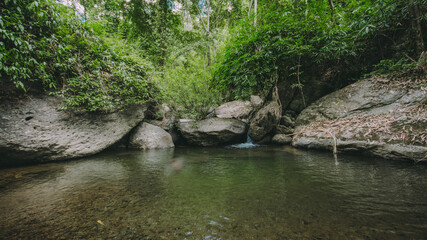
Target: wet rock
x=383, y=120
x=34, y=129
x=147, y=136
x=235, y=109
x=379, y=149
x=264, y=121
x=281, y=139
x=213, y=131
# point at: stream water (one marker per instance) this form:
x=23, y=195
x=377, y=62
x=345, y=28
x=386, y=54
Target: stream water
x=215, y=193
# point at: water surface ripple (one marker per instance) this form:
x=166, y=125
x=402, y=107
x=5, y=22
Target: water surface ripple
x=215, y=193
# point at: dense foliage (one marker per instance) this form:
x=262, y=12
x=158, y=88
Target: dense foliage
x=45, y=46
x=298, y=41
x=195, y=54
x=173, y=41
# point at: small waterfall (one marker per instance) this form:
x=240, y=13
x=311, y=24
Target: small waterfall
x=248, y=144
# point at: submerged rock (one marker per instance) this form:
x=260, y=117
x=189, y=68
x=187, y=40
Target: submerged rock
x=34, y=129
x=148, y=136
x=264, y=121
x=384, y=120
x=213, y=131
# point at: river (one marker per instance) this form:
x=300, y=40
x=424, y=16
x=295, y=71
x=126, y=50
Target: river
x=215, y=193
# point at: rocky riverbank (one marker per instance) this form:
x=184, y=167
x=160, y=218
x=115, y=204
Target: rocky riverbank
x=376, y=116
x=33, y=129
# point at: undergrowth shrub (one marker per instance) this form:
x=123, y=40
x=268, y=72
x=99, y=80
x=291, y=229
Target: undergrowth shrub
x=44, y=46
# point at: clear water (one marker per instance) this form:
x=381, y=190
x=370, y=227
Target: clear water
x=215, y=193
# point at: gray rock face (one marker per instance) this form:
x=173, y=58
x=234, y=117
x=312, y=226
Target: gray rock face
x=360, y=97
x=384, y=120
x=147, y=136
x=281, y=139
x=33, y=129
x=235, y=109
x=213, y=131
x=264, y=121
x=379, y=149
x=167, y=124
x=256, y=101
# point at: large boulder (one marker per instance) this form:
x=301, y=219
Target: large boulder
x=377, y=116
x=167, y=124
x=265, y=121
x=148, y=136
x=213, y=131
x=235, y=109
x=33, y=129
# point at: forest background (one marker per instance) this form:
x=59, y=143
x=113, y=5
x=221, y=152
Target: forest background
x=102, y=55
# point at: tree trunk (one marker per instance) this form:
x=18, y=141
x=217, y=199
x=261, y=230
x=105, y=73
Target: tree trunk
x=163, y=16
x=255, y=9
x=209, y=14
x=250, y=7
x=416, y=27
x=306, y=8
x=208, y=33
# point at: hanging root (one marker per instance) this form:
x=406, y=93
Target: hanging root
x=334, y=142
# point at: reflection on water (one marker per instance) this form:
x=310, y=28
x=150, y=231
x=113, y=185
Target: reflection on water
x=215, y=193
